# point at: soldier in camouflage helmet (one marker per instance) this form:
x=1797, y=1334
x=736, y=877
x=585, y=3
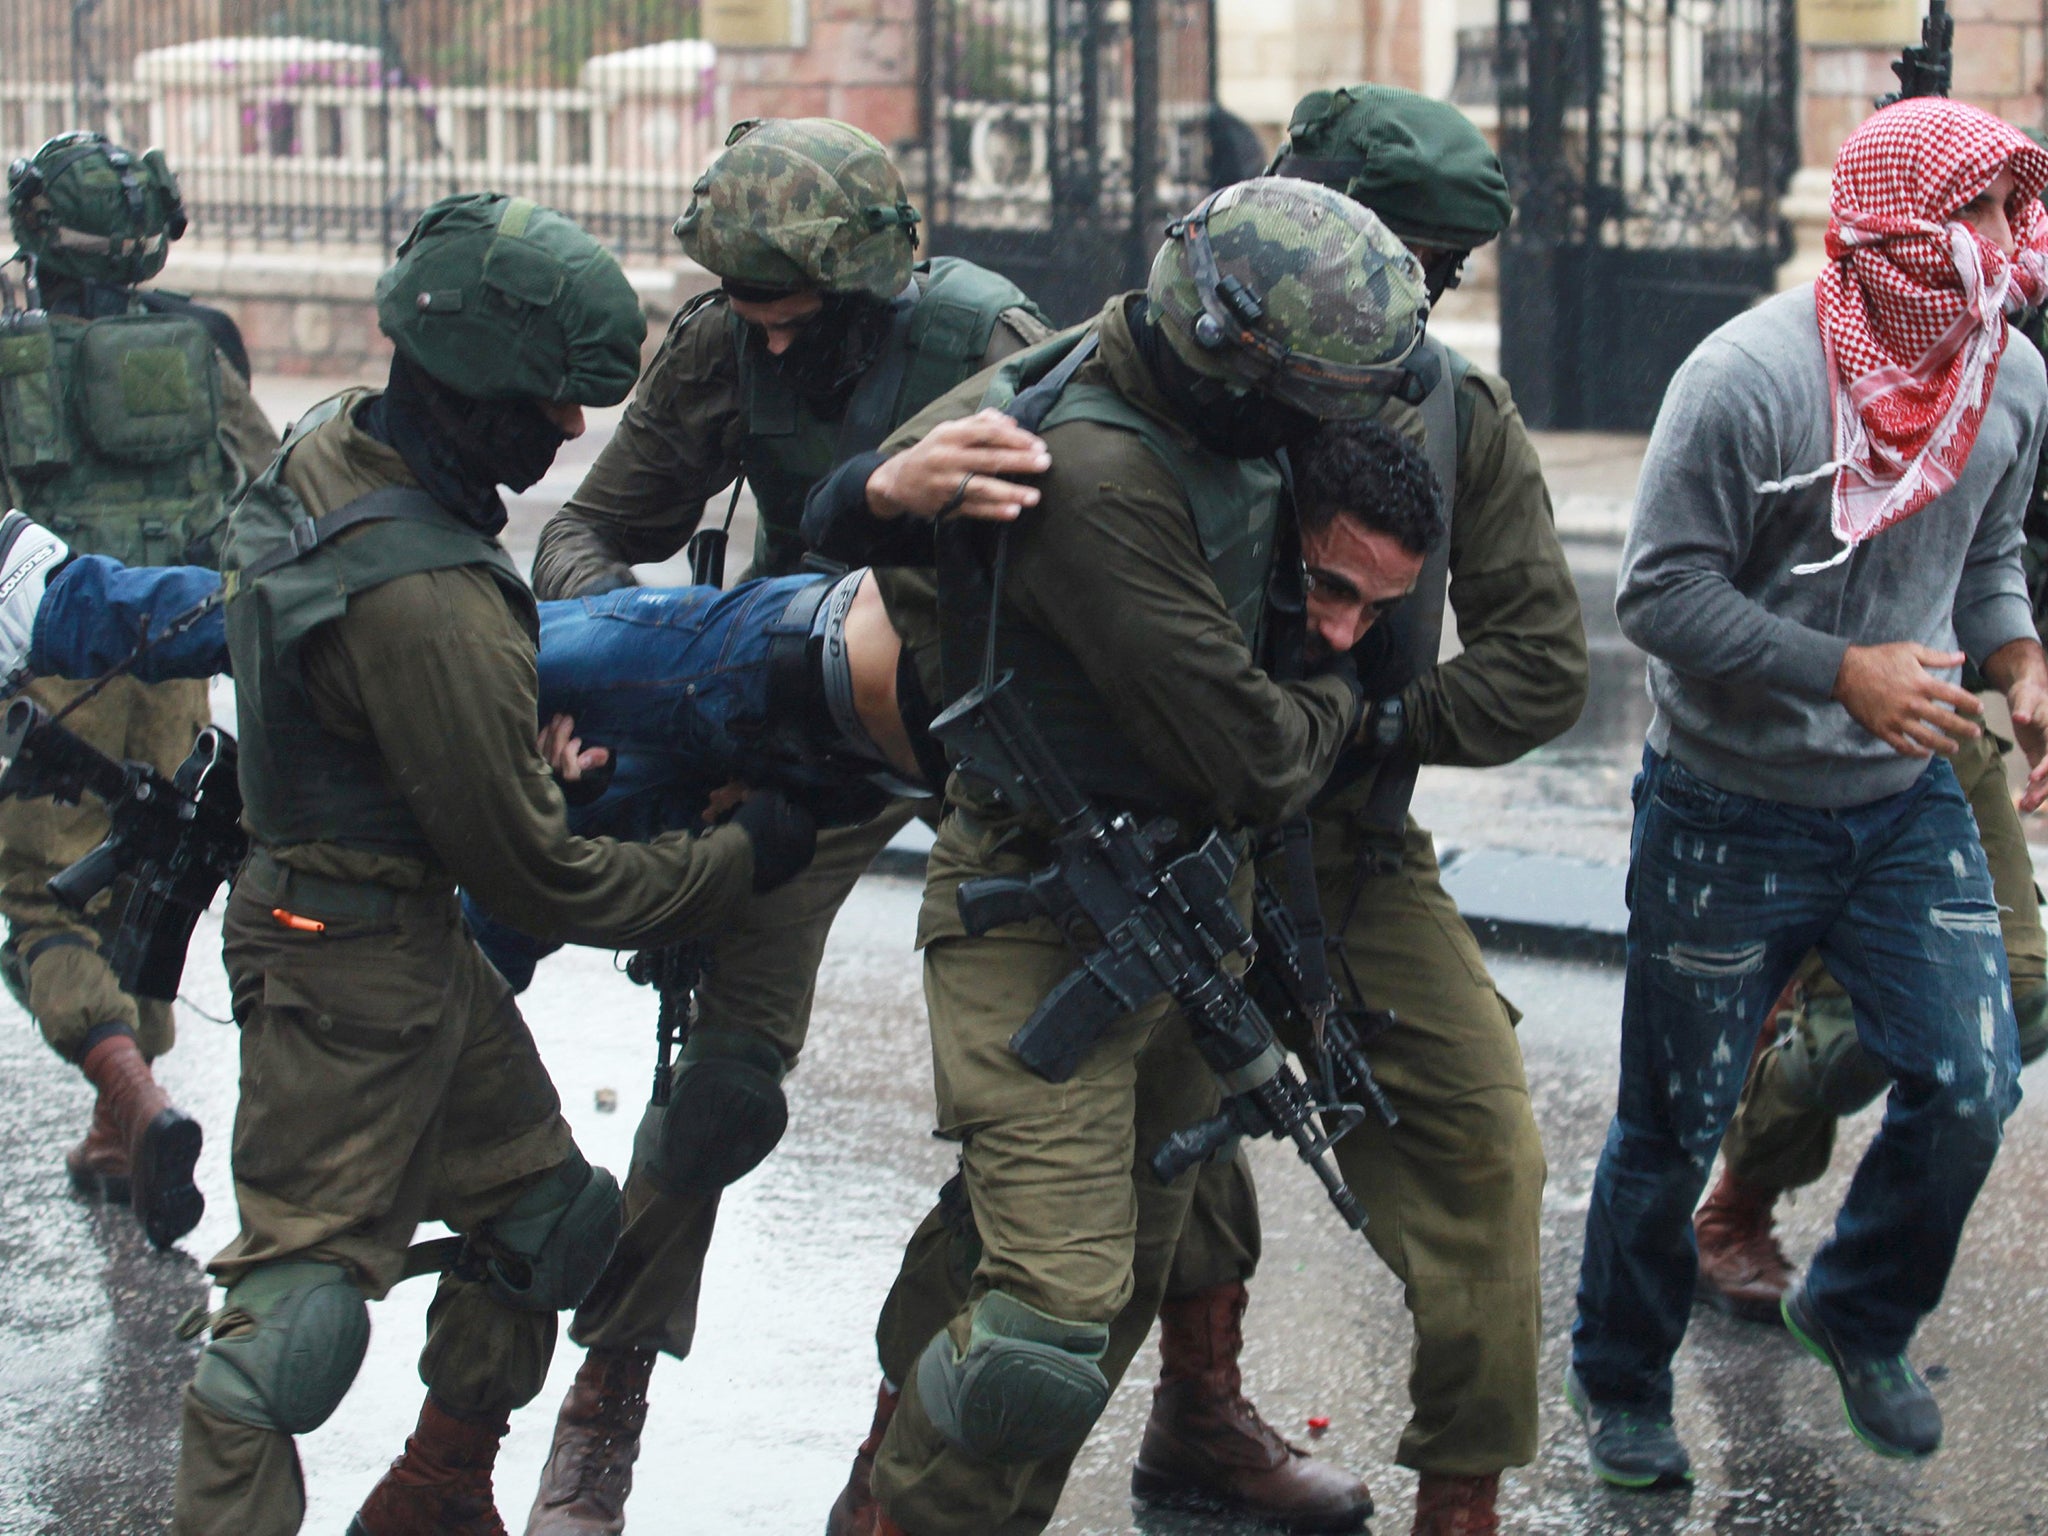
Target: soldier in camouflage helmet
x=1132, y=614
x=383, y=651
x=141, y=467
x=824, y=334
x=1459, y=1179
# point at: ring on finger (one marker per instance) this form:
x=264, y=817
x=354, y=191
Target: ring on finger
x=954, y=502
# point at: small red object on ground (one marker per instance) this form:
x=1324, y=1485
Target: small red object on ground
x=1318, y=1423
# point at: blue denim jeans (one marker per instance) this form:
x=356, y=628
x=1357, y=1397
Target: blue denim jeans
x=663, y=675
x=1726, y=895
x=674, y=681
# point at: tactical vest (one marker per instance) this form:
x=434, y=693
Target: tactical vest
x=1234, y=505
x=109, y=431
x=285, y=575
x=939, y=331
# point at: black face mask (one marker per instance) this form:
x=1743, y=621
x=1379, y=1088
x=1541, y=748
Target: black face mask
x=1238, y=426
x=1442, y=272
x=462, y=450
x=832, y=351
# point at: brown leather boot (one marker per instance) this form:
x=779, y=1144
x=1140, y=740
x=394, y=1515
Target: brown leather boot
x=1446, y=1505
x=441, y=1486
x=1206, y=1448
x=162, y=1142
x=855, y=1511
x=1743, y=1271
x=583, y=1487
x=98, y=1165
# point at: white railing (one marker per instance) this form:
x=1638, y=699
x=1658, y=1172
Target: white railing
x=269, y=126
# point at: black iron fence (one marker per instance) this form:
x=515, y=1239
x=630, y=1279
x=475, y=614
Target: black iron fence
x=337, y=121
x=1059, y=135
x=1648, y=143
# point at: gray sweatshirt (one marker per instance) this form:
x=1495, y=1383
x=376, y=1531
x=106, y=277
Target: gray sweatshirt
x=1743, y=654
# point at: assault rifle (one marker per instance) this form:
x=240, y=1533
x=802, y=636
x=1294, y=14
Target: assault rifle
x=1165, y=926
x=1292, y=978
x=1927, y=69
x=673, y=970
x=177, y=838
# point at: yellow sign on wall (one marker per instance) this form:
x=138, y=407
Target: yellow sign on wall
x=752, y=23
x=1857, y=23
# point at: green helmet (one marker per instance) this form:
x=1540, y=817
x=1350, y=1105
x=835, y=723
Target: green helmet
x=88, y=209
x=1293, y=290
x=802, y=203
x=1416, y=162
x=501, y=299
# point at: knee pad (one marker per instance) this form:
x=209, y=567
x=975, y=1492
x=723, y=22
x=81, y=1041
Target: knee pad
x=545, y=1251
x=725, y=1112
x=2030, y=1009
x=1825, y=1064
x=295, y=1340
x=1028, y=1386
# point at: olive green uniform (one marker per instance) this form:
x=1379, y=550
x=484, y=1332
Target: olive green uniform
x=1454, y=1192
x=685, y=437
x=387, y=1078
x=70, y=989
x=1112, y=571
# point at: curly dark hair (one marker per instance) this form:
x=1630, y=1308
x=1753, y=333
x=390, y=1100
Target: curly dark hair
x=1371, y=473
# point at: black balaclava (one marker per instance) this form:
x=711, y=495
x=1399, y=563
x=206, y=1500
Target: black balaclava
x=64, y=295
x=1238, y=426
x=1443, y=270
x=835, y=348
x=461, y=450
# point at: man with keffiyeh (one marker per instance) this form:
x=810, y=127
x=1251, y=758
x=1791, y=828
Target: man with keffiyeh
x=1828, y=525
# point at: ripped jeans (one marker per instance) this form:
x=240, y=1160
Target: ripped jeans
x=1726, y=896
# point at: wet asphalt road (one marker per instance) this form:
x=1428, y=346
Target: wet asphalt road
x=752, y=1434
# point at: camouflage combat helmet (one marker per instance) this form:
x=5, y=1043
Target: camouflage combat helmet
x=1294, y=290
x=88, y=209
x=1416, y=162
x=802, y=203
x=500, y=299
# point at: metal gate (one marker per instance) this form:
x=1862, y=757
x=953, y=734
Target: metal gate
x=1647, y=142
x=1059, y=135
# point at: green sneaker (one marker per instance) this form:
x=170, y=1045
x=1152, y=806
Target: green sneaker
x=1626, y=1447
x=1888, y=1404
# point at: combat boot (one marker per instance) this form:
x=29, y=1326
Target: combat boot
x=854, y=1512
x=1743, y=1271
x=583, y=1487
x=98, y=1165
x=162, y=1142
x=1446, y=1505
x=441, y=1486
x=1206, y=1448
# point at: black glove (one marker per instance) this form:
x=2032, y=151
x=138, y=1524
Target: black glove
x=784, y=836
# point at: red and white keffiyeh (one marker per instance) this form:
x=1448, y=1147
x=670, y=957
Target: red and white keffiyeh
x=1912, y=303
